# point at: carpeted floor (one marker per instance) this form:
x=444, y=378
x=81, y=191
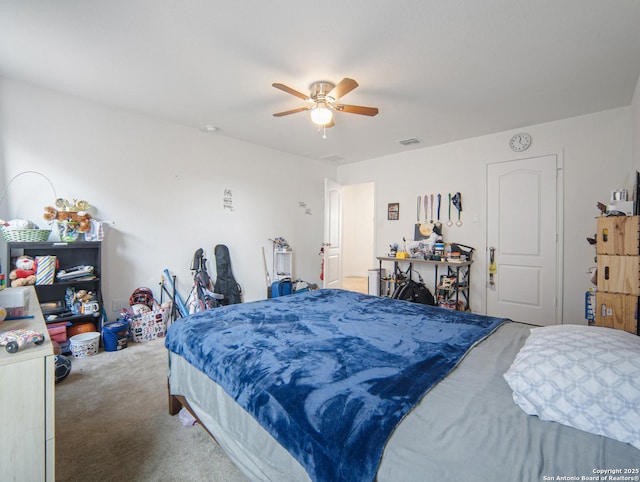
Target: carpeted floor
x=112, y=424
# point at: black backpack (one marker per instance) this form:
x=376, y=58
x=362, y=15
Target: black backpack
x=414, y=291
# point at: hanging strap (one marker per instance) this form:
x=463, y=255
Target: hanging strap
x=426, y=206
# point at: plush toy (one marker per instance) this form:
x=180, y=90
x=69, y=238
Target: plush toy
x=25, y=272
x=84, y=296
x=75, y=213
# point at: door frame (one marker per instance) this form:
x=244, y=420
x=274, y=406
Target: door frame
x=374, y=240
x=559, y=309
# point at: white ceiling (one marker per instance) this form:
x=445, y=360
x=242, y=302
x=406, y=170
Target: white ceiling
x=438, y=70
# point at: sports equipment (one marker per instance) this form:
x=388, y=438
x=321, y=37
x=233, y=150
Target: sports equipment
x=63, y=367
x=204, y=292
x=226, y=284
x=142, y=296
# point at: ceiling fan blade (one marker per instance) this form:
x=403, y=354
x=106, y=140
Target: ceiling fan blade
x=292, y=111
x=291, y=91
x=357, y=109
x=345, y=86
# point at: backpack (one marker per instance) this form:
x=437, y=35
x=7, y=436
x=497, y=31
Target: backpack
x=414, y=291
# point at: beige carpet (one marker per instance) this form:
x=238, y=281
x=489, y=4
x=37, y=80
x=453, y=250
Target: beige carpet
x=112, y=424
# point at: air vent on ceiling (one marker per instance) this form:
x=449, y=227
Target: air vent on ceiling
x=332, y=158
x=411, y=140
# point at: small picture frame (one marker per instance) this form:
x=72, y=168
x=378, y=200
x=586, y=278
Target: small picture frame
x=393, y=211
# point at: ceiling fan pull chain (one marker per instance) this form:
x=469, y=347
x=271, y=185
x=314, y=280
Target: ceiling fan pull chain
x=324, y=132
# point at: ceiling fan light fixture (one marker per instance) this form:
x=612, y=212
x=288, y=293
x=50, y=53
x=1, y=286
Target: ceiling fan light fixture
x=321, y=114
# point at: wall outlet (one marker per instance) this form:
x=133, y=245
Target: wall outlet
x=118, y=305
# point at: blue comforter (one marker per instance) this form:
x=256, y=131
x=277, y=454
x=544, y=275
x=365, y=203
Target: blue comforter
x=329, y=373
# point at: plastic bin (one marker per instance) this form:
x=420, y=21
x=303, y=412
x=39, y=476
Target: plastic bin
x=85, y=344
x=58, y=331
x=15, y=301
x=114, y=335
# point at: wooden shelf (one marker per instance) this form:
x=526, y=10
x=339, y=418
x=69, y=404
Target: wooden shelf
x=425, y=261
x=68, y=255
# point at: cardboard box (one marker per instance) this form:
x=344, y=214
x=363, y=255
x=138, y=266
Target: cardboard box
x=625, y=207
x=149, y=326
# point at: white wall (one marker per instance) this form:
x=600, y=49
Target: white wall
x=594, y=149
x=635, y=108
x=163, y=184
x=357, y=229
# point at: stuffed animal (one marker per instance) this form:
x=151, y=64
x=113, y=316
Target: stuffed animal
x=84, y=296
x=73, y=213
x=25, y=272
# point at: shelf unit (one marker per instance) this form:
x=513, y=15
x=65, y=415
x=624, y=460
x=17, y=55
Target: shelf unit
x=453, y=294
x=282, y=264
x=68, y=255
x=618, y=280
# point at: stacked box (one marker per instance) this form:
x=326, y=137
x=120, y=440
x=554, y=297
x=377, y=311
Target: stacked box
x=618, y=250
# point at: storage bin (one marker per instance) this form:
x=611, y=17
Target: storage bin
x=615, y=310
x=15, y=301
x=114, y=335
x=619, y=274
x=58, y=332
x=618, y=235
x=85, y=344
x=149, y=326
x=25, y=235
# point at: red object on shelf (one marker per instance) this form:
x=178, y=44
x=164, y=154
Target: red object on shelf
x=58, y=331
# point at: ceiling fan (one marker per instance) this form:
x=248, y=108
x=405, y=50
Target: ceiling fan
x=323, y=97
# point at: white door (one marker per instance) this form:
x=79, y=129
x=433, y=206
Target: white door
x=522, y=227
x=332, y=235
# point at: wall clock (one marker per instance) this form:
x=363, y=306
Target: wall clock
x=520, y=142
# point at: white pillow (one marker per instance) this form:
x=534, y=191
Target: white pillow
x=586, y=377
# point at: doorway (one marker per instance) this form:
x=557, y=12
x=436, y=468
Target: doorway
x=358, y=235
x=356, y=232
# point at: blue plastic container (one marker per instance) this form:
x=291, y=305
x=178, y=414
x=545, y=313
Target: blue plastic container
x=281, y=288
x=114, y=335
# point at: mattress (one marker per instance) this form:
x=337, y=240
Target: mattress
x=329, y=373
x=466, y=428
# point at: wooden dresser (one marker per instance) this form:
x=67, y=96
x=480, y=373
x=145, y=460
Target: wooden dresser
x=618, y=285
x=27, y=404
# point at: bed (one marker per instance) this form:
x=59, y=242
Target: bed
x=336, y=385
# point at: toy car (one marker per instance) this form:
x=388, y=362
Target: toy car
x=16, y=339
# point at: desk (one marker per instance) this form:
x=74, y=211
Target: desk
x=450, y=291
x=27, y=398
